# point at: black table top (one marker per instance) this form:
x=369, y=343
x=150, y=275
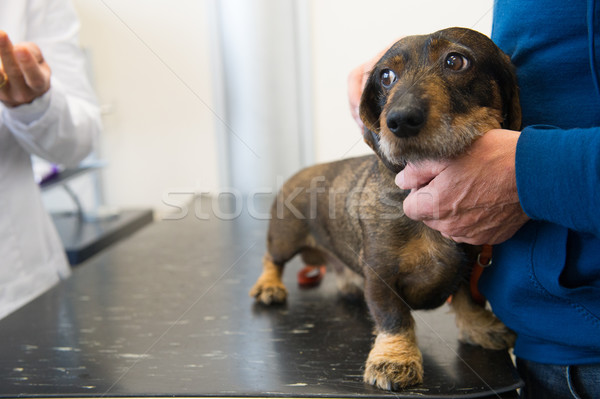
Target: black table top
x=166, y=312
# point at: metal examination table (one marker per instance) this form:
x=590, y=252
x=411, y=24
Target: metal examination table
x=166, y=312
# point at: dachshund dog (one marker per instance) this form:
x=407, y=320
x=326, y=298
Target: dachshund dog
x=428, y=97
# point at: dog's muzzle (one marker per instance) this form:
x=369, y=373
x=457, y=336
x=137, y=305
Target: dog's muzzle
x=407, y=114
x=405, y=121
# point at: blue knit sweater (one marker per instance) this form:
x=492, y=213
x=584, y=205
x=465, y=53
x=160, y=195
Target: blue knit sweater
x=545, y=281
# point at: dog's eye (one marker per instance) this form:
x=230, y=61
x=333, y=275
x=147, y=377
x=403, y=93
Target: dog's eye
x=456, y=62
x=388, y=78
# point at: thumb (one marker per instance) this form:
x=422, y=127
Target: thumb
x=419, y=175
x=422, y=204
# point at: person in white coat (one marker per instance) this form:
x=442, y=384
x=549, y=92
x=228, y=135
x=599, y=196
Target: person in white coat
x=48, y=109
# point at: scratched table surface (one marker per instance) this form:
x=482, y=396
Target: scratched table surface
x=166, y=312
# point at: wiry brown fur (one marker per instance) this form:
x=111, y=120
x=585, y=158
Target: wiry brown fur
x=350, y=212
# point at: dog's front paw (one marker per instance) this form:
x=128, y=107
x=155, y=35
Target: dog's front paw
x=269, y=293
x=395, y=362
x=393, y=374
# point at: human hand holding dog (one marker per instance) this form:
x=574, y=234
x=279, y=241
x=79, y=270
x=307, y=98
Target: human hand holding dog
x=472, y=199
x=24, y=74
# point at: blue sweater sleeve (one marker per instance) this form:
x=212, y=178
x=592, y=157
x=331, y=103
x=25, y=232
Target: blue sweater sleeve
x=558, y=176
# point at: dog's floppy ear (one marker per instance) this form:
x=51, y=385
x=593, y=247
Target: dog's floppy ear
x=509, y=90
x=372, y=139
x=370, y=107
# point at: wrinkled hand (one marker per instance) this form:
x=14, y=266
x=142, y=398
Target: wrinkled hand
x=472, y=199
x=24, y=75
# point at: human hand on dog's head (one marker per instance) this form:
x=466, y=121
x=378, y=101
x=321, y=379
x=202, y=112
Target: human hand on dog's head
x=356, y=84
x=471, y=199
x=357, y=79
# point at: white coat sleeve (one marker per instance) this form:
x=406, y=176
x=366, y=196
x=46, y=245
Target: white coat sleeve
x=62, y=125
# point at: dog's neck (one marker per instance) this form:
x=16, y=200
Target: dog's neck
x=393, y=168
x=388, y=172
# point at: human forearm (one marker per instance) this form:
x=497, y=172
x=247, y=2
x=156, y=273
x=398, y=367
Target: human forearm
x=64, y=133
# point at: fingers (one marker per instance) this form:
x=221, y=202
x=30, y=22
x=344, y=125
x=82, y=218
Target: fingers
x=9, y=63
x=423, y=204
x=355, y=89
x=24, y=73
x=34, y=70
x=414, y=177
x=3, y=79
x=459, y=235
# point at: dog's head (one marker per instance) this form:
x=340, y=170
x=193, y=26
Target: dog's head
x=431, y=96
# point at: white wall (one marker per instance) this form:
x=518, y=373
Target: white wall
x=152, y=66
x=152, y=72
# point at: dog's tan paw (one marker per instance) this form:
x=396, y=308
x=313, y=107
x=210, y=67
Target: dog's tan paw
x=395, y=362
x=478, y=325
x=269, y=294
x=488, y=332
x=269, y=288
x=392, y=376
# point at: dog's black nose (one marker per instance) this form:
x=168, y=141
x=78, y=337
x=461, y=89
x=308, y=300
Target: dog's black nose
x=405, y=122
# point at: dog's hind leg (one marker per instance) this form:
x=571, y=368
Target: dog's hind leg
x=313, y=257
x=478, y=325
x=314, y=269
x=269, y=288
x=286, y=237
x=349, y=283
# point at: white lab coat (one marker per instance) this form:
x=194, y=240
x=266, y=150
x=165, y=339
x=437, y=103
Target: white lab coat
x=60, y=127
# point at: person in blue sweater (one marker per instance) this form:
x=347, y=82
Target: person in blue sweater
x=534, y=194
